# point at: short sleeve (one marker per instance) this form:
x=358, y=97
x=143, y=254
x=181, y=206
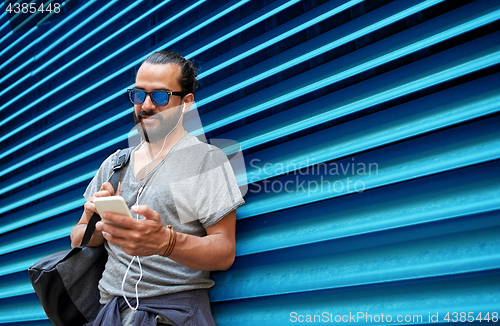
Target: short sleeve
x=209, y=194
x=102, y=175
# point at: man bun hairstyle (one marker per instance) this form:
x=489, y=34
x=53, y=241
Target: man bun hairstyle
x=189, y=74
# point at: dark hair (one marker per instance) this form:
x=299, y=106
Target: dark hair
x=189, y=74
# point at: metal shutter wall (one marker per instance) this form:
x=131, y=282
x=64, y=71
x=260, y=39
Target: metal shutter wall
x=369, y=130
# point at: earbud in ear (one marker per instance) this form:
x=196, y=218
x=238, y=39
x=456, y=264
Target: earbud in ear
x=184, y=107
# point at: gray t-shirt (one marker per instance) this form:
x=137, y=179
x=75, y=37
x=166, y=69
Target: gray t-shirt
x=192, y=188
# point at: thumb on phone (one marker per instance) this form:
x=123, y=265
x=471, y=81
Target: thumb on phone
x=109, y=188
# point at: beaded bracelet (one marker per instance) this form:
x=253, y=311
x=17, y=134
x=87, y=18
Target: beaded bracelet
x=171, y=242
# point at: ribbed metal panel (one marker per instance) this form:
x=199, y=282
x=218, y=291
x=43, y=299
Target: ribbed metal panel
x=370, y=131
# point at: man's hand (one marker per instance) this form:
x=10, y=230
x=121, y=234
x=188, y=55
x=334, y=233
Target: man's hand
x=105, y=191
x=144, y=237
x=89, y=210
x=148, y=236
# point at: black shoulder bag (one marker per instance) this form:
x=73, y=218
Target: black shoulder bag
x=66, y=282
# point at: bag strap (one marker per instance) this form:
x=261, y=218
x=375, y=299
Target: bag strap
x=120, y=161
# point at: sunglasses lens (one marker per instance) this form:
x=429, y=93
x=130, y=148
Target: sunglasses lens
x=137, y=96
x=160, y=98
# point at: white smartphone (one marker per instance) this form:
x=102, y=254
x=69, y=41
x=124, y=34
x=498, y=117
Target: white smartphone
x=115, y=204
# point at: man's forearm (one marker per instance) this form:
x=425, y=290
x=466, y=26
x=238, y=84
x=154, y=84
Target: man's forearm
x=148, y=236
x=209, y=253
x=77, y=236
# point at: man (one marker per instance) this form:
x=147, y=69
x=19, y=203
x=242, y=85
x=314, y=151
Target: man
x=171, y=179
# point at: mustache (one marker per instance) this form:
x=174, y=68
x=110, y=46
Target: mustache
x=144, y=113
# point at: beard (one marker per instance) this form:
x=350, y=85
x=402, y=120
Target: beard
x=165, y=126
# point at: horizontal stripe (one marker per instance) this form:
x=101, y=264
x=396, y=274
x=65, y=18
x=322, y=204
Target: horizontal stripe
x=451, y=254
x=467, y=149
x=434, y=199
x=46, y=34
x=232, y=31
x=116, y=73
x=308, y=123
x=22, y=312
x=444, y=75
x=35, y=240
x=435, y=295
x=60, y=145
x=299, y=59
x=17, y=289
x=96, y=65
x=288, y=32
x=46, y=192
x=40, y=54
x=25, y=221
x=17, y=41
x=416, y=100
x=436, y=111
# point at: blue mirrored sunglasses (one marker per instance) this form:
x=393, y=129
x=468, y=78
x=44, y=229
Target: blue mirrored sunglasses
x=161, y=98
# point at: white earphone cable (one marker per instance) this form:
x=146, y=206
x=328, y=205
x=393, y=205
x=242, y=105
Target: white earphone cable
x=137, y=217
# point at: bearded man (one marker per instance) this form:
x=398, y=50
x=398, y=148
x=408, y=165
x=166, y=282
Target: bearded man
x=172, y=180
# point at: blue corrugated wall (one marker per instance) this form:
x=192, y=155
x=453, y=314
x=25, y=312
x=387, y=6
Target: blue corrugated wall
x=370, y=131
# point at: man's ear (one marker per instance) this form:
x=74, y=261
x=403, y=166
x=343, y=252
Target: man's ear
x=187, y=102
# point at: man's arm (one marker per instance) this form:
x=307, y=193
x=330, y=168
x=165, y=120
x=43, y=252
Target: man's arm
x=146, y=237
x=216, y=251
x=89, y=209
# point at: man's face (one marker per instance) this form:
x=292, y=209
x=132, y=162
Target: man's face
x=158, y=121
